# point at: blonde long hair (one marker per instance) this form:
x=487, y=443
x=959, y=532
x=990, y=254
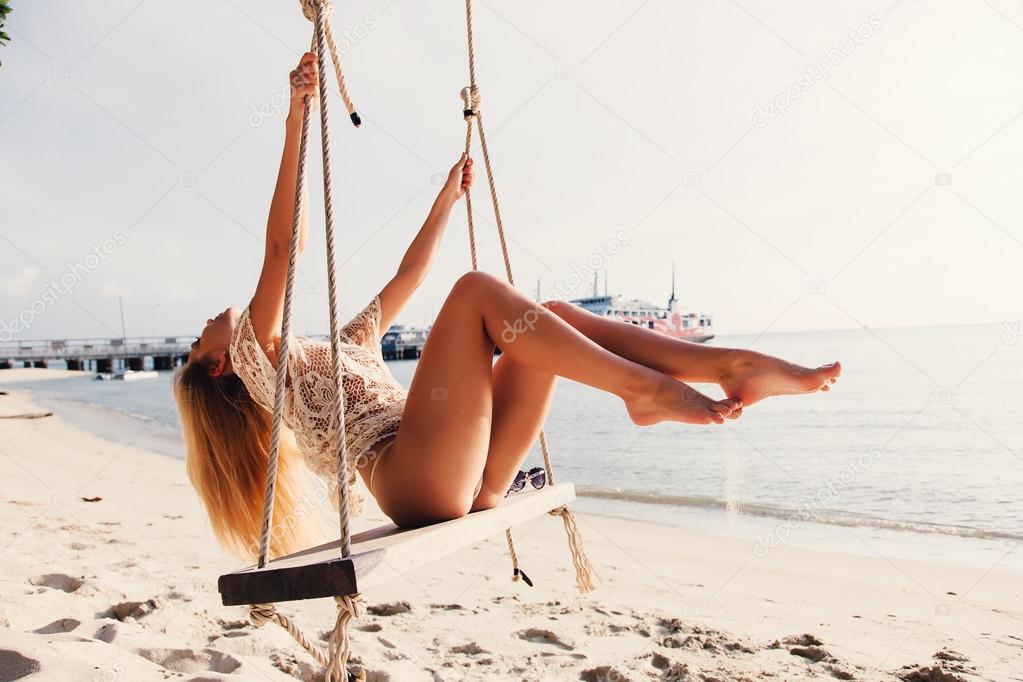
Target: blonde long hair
x=227, y=440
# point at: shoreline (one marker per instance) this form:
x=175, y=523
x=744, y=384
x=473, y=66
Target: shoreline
x=125, y=587
x=904, y=539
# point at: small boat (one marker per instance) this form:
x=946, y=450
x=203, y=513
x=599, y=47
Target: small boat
x=130, y=375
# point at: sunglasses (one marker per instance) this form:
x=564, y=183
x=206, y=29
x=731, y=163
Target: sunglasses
x=536, y=477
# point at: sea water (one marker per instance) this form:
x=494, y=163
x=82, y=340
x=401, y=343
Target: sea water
x=923, y=435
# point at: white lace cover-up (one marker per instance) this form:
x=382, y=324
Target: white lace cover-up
x=374, y=401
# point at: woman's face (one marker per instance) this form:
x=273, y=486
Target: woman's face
x=216, y=335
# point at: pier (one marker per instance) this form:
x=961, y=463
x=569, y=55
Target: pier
x=159, y=353
x=99, y=355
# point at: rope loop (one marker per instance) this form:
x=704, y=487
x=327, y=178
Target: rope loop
x=470, y=101
x=309, y=8
x=261, y=614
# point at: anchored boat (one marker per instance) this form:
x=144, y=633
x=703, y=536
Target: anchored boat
x=672, y=320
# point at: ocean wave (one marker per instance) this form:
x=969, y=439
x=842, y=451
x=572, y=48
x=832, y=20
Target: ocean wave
x=830, y=517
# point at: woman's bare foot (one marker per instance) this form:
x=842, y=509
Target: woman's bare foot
x=754, y=376
x=673, y=400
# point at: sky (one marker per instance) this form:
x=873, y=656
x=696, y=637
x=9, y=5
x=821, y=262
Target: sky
x=804, y=165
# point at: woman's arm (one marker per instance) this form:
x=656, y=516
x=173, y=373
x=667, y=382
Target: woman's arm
x=420, y=254
x=267, y=307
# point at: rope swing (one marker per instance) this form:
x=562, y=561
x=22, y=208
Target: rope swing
x=585, y=577
x=335, y=660
x=349, y=606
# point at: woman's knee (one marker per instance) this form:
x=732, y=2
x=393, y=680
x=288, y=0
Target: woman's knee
x=477, y=283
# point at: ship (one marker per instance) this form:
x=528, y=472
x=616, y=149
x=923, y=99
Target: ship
x=406, y=343
x=672, y=321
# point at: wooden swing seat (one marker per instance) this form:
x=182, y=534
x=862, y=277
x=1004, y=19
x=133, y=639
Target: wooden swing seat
x=381, y=554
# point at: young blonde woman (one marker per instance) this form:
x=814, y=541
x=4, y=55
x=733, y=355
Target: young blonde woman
x=454, y=441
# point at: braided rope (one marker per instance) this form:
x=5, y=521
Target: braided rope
x=469, y=112
x=335, y=327
x=260, y=614
x=585, y=575
x=348, y=607
x=335, y=662
x=282, y=358
x=547, y=465
x=309, y=10
x=513, y=554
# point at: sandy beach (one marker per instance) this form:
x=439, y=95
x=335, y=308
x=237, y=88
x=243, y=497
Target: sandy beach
x=109, y=573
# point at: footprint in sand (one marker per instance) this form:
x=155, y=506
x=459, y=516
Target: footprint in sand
x=233, y=624
x=132, y=609
x=447, y=607
x=299, y=669
x=604, y=673
x=812, y=653
x=802, y=640
x=947, y=654
x=58, y=626
x=192, y=660
x=14, y=666
x=541, y=636
x=930, y=674
x=390, y=609
x=57, y=581
x=839, y=673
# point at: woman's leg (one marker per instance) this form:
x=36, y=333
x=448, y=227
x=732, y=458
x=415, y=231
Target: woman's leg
x=743, y=374
x=438, y=457
x=522, y=395
x=522, y=398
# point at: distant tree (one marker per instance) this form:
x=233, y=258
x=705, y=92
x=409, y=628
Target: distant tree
x=5, y=9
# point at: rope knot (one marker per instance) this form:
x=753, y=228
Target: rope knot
x=261, y=614
x=309, y=7
x=340, y=644
x=350, y=605
x=560, y=511
x=470, y=101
